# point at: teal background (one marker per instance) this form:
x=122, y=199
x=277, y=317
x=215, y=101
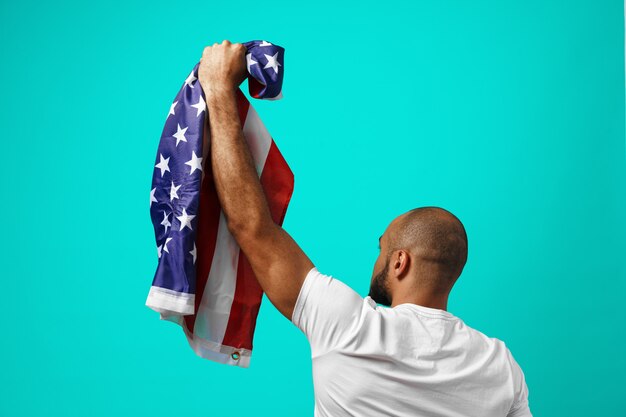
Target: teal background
x=510, y=114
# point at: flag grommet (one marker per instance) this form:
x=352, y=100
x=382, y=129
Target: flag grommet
x=235, y=355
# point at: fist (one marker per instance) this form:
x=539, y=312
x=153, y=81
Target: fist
x=222, y=67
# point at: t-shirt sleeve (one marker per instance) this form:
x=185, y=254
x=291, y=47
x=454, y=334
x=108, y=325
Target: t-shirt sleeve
x=520, y=406
x=327, y=311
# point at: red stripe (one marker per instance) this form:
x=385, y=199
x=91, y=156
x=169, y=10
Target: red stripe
x=254, y=87
x=277, y=181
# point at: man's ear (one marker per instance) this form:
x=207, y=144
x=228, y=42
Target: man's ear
x=400, y=263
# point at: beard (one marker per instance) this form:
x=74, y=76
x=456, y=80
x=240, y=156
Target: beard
x=379, y=290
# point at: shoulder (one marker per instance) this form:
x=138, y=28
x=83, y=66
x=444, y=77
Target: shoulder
x=328, y=311
x=322, y=295
x=489, y=341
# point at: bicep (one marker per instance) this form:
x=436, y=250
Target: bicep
x=278, y=263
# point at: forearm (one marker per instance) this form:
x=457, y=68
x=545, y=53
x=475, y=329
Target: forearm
x=277, y=261
x=236, y=180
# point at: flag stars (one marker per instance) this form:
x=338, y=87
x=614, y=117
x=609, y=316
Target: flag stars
x=185, y=219
x=190, y=79
x=194, y=252
x=180, y=134
x=172, y=109
x=250, y=61
x=159, y=251
x=200, y=106
x=163, y=164
x=272, y=62
x=152, y=197
x=166, y=221
x=173, y=191
x=194, y=162
x=165, y=244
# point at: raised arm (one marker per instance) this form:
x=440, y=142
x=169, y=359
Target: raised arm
x=278, y=263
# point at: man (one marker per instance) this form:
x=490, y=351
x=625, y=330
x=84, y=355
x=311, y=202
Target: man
x=412, y=359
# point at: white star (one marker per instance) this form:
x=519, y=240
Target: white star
x=163, y=164
x=190, y=79
x=159, y=250
x=165, y=221
x=250, y=61
x=152, y=197
x=194, y=162
x=173, y=190
x=271, y=62
x=172, y=108
x=193, y=252
x=165, y=244
x=185, y=219
x=265, y=44
x=200, y=105
x=180, y=134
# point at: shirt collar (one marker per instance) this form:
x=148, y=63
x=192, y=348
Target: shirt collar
x=424, y=309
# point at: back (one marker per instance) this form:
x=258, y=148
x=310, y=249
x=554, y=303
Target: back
x=408, y=360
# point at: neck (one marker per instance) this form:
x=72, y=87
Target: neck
x=439, y=301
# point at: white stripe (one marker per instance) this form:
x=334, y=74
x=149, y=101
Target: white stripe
x=258, y=138
x=214, y=310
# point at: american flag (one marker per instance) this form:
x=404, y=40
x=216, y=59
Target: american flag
x=203, y=281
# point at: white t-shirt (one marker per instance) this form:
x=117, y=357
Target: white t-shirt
x=409, y=360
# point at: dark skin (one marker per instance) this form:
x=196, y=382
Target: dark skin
x=279, y=264
x=401, y=284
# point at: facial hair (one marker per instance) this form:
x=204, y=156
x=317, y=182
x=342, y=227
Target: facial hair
x=379, y=291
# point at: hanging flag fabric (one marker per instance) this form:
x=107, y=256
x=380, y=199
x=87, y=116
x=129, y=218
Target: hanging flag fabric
x=203, y=281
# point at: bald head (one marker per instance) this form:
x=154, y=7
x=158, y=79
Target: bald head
x=436, y=238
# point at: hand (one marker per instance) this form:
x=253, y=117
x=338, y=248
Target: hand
x=222, y=67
